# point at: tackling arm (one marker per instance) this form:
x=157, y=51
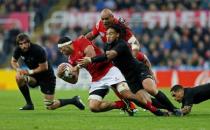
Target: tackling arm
x=186, y=110
x=90, y=36
x=42, y=67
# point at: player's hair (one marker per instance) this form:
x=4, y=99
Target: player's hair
x=119, y=28
x=21, y=37
x=63, y=40
x=176, y=88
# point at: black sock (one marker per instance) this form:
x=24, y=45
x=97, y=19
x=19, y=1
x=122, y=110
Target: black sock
x=161, y=97
x=157, y=104
x=64, y=102
x=26, y=94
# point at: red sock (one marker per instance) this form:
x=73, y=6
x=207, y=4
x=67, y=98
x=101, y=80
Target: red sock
x=150, y=107
x=119, y=104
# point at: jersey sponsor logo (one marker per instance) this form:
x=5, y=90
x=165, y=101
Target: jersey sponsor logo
x=22, y=57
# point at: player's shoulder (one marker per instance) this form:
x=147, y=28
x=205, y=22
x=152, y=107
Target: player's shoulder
x=99, y=24
x=81, y=38
x=37, y=49
x=36, y=46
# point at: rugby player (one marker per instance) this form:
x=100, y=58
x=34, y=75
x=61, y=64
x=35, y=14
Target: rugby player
x=137, y=74
x=40, y=73
x=190, y=96
x=107, y=19
x=103, y=74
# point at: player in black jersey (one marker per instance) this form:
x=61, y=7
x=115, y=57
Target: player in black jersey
x=40, y=73
x=136, y=73
x=190, y=96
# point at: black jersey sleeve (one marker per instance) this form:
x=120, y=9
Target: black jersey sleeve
x=41, y=55
x=188, y=101
x=17, y=53
x=120, y=47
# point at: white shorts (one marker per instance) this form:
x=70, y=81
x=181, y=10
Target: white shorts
x=114, y=76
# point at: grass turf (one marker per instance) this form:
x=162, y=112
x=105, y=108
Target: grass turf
x=70, y=118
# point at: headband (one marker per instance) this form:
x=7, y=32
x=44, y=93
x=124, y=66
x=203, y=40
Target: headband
x=64, y=44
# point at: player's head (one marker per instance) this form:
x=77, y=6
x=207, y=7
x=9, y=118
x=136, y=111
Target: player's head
x=64, y=45
x=115, y=32
x=177, y=92
x=23, y=41
x=107, y=17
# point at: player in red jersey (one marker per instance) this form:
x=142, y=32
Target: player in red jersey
x=107, y=19
x=103, y=74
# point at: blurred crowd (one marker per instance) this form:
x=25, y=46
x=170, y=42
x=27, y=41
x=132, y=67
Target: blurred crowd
x=39, y=7
x=177, y=48
x=139, y=5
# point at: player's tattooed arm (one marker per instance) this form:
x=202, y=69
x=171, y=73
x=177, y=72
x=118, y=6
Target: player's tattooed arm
x=186, y=109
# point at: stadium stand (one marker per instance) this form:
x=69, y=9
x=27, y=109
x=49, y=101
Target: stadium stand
x=166, y=46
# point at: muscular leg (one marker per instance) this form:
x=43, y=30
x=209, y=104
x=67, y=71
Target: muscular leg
x=150, y=86
x=52, y=104
x=96, y=103
x=23, y=82
x=141, y=98
x=131, y=104
x=102, y=106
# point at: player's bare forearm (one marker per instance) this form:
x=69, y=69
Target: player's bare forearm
x=14, y=64
x=42, y=67
x=72, y=80
x=186, y=110
x=89, y=51
x=90, y=36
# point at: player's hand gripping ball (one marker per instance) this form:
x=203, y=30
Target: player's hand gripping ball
x=64, y=72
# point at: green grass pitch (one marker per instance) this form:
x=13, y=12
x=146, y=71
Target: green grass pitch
x=70, y=118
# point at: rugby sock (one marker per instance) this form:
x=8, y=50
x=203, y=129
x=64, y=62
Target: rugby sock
x=157, y=104
x=26, y=94
x=64, y=102
x=147, y=106
x=119, y=104
x=161, y=97
x=150, y=107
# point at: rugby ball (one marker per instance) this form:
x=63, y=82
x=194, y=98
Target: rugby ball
x=64, y=70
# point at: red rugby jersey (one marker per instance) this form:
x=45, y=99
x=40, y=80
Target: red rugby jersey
x=96, y=70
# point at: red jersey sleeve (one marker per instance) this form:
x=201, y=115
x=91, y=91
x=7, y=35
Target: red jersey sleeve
x=95, y=31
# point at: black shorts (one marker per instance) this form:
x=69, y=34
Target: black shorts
x=136, y=83
x=47, y=84
x=100, y=92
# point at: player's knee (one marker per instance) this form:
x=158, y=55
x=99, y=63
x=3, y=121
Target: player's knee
x=20, y=80
x=49, y=104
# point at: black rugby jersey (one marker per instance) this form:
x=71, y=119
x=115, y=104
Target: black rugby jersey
x=196, y=95
x=33, y=57
x=128, y=65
